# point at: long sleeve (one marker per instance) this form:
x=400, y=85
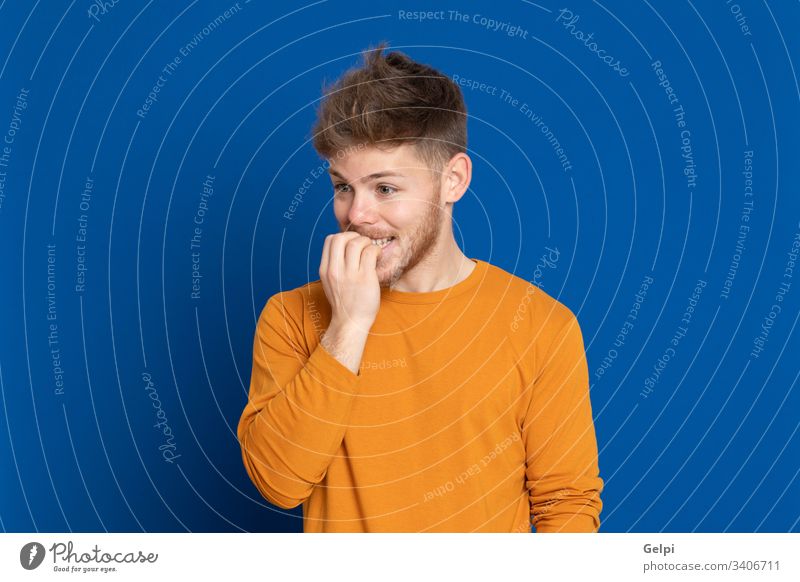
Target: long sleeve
x=562, y=472
x=298, y=407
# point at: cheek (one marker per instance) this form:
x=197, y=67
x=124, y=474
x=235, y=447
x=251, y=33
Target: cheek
x=340, y=210
x=403, y=214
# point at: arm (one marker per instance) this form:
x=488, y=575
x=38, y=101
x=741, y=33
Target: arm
x=562, y=472
x=297, y=412
x=300, y=403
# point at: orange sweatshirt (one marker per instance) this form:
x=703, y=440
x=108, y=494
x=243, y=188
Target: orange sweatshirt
x=470, y=412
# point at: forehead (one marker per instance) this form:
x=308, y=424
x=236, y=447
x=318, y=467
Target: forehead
x=367, y=159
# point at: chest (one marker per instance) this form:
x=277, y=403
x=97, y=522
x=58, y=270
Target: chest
x=420, y=383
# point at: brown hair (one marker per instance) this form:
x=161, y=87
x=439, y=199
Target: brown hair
x=391, y=100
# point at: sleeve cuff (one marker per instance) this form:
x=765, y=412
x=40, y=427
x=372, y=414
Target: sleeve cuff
x=331, y=372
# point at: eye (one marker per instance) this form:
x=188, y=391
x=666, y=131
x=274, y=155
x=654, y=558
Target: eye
x=386, y=190
x=337, y=188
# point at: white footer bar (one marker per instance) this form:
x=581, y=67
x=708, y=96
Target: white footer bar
x=406, y=557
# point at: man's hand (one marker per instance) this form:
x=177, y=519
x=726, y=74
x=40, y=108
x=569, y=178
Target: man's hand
x=350, y=281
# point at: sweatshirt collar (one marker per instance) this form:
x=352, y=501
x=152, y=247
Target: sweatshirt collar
x=472, y=280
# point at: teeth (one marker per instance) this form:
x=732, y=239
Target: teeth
x=382, y=242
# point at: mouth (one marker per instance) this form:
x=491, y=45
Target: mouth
x=383, y=242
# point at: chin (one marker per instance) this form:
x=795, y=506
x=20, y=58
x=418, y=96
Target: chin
x=387, y=276
x=390, y=273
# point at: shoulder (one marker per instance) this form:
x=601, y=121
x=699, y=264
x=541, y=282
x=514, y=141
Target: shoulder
x=304, y=309
x=295, y=301
x=532, y=309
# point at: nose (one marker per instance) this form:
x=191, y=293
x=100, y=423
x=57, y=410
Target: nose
x=363, y=209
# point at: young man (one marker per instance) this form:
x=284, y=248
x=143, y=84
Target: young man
x=413, y=389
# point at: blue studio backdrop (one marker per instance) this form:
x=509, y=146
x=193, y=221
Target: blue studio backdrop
x=636, y=160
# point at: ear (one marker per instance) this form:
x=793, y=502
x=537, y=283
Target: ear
x=457, y=176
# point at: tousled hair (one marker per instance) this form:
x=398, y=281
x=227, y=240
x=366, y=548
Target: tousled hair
x=392, y=100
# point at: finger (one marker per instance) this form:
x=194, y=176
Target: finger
x=369, y=258
x=353, y=253
x=337, y=259
x=326, y=254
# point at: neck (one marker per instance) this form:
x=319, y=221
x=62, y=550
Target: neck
x=444, y=266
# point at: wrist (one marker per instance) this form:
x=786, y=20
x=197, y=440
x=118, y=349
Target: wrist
x=345, y=341
x=350, y=327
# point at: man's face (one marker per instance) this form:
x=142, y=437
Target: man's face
x=389, y=194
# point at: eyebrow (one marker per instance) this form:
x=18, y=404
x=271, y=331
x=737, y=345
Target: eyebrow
x=374, y=176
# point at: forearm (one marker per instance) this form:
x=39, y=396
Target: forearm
x=562, y=469
x=345, y=342
x=289, y=437
x=569, y=509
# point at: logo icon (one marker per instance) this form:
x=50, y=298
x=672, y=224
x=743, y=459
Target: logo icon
x=31, y=555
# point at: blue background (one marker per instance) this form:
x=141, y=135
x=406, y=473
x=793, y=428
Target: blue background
x=712, y=447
